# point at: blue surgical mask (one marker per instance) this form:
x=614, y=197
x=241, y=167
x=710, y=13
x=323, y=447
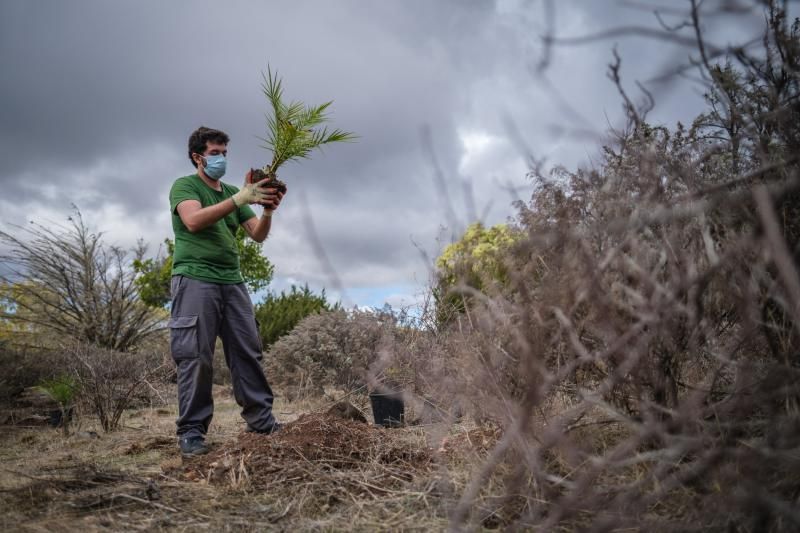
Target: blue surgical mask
x=215, y=166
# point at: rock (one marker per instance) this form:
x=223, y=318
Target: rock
x=346, y=411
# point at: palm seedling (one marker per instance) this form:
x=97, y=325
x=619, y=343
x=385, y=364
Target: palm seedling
x=294, y=130
x=62, y=390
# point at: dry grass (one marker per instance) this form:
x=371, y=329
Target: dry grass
x=319, y=474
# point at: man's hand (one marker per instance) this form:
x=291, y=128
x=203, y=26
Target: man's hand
x=273, y=195
x=258, y=229
x=273, y=200
x=250, y=193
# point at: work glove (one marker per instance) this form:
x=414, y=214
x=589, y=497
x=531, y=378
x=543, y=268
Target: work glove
x=274, y=198
x=250, y=193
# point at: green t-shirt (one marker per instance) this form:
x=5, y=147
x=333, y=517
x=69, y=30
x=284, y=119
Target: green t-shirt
x=211, y=254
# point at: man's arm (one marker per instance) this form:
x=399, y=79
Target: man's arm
x=196, y=217
x=258, y=228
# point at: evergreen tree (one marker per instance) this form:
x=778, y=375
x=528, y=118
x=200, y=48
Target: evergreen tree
x=278, y=314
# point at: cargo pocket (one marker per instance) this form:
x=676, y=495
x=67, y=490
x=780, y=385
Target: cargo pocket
x=183, y=337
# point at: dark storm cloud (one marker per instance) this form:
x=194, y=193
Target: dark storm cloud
x=90, y=81
x=99, y=97
x=112, y=79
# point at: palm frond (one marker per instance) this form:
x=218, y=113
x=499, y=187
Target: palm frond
x=293, y=129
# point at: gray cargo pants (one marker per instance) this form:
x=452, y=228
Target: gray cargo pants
x=201, y=312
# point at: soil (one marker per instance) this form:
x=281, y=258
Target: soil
x=274, y=182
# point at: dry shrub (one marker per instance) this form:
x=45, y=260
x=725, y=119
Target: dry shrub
x=67, y=282
x=110, y=381
x=642, y=358
x=332, y=348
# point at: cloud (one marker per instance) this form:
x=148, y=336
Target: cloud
x=100, y=100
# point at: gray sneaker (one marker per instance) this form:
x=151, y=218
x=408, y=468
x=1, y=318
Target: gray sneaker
x=191, y=446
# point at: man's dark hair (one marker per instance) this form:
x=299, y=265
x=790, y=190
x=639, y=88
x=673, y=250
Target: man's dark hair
x=202, y=135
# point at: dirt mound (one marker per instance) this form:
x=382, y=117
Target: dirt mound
x=312, y=448
x=318, y=438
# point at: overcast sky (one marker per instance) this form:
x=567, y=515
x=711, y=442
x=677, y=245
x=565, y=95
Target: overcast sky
x=98, y=98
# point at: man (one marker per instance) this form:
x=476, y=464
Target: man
x=209, y=298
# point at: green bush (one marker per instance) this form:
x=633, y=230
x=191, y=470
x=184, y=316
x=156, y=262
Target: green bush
x=475, y=261
x=278, y=314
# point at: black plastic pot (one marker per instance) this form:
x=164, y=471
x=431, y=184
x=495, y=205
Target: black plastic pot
x=387, y=409
x=56, y=416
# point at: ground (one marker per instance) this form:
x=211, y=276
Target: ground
x=320, y=473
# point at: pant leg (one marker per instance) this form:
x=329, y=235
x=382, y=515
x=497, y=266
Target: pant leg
x=242, y=344
x=194, y=325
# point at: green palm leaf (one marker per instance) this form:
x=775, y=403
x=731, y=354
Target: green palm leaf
x=293, y=129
